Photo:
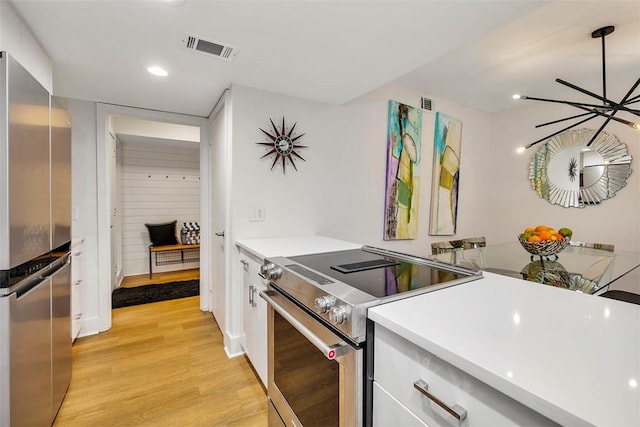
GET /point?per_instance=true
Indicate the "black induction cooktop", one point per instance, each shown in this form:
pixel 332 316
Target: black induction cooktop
pixel 375 274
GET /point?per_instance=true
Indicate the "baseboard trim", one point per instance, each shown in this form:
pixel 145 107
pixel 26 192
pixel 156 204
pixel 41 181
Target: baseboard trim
pixel 234 346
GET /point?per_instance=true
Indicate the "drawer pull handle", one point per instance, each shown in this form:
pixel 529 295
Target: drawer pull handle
pixel 244 262
pixel 456 411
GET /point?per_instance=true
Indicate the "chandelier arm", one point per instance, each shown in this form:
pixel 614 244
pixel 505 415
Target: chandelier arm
pixel 612 104
pixel 604 70
pixel 558 101
pixel 609 116
pixel 633 100
pixel 585 91
pixel 558 132
pixel 562 120
pixel 614 111
pixel 594 108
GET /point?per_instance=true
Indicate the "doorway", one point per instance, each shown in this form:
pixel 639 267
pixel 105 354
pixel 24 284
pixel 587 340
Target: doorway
pixel 110 267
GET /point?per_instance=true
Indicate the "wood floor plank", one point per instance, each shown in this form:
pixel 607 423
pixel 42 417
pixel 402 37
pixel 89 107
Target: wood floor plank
pixel 161 364
pixel 165 277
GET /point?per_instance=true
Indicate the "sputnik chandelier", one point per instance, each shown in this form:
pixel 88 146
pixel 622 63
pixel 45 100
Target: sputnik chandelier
pixel 608 109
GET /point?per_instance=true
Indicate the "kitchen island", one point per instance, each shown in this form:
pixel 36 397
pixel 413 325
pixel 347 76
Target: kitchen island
pixel 572 357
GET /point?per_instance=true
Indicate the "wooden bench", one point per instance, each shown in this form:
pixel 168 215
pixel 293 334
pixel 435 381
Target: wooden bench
pixel 173 254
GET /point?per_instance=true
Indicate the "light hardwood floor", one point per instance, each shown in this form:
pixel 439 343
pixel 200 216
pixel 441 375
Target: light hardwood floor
pixel 170 276
pixel 161 364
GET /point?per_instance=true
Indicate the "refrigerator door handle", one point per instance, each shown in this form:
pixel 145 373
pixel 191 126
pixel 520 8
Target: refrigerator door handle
pixel 57 265
pixel 29 285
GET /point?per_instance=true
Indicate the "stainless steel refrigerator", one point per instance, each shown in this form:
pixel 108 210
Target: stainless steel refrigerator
pixel 35 219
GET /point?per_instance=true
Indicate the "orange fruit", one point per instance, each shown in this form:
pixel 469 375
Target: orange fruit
pixel 529 229
pixel 544 235
pixel 533 239
pixel 559 236
pixel 553 237
pixel 541 228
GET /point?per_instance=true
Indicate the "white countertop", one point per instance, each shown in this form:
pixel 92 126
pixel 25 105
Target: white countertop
pixel 573 357
pixel 294 246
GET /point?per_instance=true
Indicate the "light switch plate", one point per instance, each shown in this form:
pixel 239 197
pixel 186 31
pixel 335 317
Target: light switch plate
pixel 256 214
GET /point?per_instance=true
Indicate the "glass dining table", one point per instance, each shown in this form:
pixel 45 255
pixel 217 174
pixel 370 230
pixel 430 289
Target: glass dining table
pixel 576 268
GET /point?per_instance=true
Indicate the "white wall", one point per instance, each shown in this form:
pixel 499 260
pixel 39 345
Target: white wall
pixel 84 197
pixel 354 190
pixel 160 183
pixel 290 201
pixel 514 204
pixel 17 39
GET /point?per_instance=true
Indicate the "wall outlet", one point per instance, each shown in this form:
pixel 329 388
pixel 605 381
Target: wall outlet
pixel 256 214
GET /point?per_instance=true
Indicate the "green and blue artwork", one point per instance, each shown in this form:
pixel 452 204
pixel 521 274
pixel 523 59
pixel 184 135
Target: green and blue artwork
pixel 402 189
pixel 446 175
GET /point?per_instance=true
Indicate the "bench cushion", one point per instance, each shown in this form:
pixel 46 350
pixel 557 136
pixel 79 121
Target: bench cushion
pixel 163 234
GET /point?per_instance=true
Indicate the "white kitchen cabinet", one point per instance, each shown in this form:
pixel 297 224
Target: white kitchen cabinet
pixel 398 364
pixel 254 314
pixel 388 412
pixel 76 286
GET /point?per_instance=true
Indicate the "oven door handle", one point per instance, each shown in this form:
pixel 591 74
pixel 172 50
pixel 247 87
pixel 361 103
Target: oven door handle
pixel 330 351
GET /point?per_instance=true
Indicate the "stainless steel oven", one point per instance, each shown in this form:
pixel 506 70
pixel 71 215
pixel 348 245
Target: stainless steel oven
pixel 317 328
pixel 315 375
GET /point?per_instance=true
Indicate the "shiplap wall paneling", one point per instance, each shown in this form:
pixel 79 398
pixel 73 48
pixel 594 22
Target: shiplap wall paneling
pixel 160 183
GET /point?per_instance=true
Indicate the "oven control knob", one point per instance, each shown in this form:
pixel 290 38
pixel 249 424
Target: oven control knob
pixel 264 269
pixel 274 273
pixel 338 315
pixel 323 304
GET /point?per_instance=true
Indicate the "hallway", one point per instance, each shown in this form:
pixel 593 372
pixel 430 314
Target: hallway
pixel 161 364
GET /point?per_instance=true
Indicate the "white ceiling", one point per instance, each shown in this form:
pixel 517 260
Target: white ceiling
pixel 475 52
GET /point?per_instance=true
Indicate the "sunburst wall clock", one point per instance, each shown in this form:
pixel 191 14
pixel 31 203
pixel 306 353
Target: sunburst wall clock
pixel 284 145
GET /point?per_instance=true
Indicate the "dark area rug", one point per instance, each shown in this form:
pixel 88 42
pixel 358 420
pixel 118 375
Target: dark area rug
pixel 125 297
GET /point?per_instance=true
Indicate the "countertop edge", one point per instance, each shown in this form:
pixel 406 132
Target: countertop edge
pixel 294 246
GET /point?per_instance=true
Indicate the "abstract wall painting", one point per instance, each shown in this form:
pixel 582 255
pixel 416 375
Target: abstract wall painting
pixel 446 176
pixel 404 150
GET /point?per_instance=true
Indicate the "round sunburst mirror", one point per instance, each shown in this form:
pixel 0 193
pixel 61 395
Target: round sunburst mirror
pixel 567 172
pixel 282 145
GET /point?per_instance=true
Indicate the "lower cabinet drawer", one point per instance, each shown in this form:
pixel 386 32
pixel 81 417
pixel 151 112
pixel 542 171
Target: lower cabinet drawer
pixel 388 412
pixel 399 364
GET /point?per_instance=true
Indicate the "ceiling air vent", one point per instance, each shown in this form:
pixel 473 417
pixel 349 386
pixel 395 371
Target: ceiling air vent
pixel 210 47
pixel 425 103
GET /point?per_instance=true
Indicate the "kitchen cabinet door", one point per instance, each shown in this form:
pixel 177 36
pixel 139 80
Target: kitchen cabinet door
pixel 388 412
pixel 254 315
pixel 399 364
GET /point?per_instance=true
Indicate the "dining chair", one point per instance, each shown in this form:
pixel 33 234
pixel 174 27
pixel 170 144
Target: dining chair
pixel 459 244
pixel 603 246
pixel 625 288
pixel 625 296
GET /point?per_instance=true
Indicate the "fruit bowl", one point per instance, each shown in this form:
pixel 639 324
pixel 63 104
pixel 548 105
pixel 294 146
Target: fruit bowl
pixel 545 247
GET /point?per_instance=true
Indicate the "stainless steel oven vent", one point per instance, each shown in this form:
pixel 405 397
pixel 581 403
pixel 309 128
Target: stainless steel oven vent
pixel 209 47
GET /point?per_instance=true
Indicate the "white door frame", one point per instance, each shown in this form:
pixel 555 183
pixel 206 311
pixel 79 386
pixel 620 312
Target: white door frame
pixel 104 182
pixel 225 319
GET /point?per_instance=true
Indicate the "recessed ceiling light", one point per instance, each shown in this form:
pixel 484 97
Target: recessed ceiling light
pixel 157 71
